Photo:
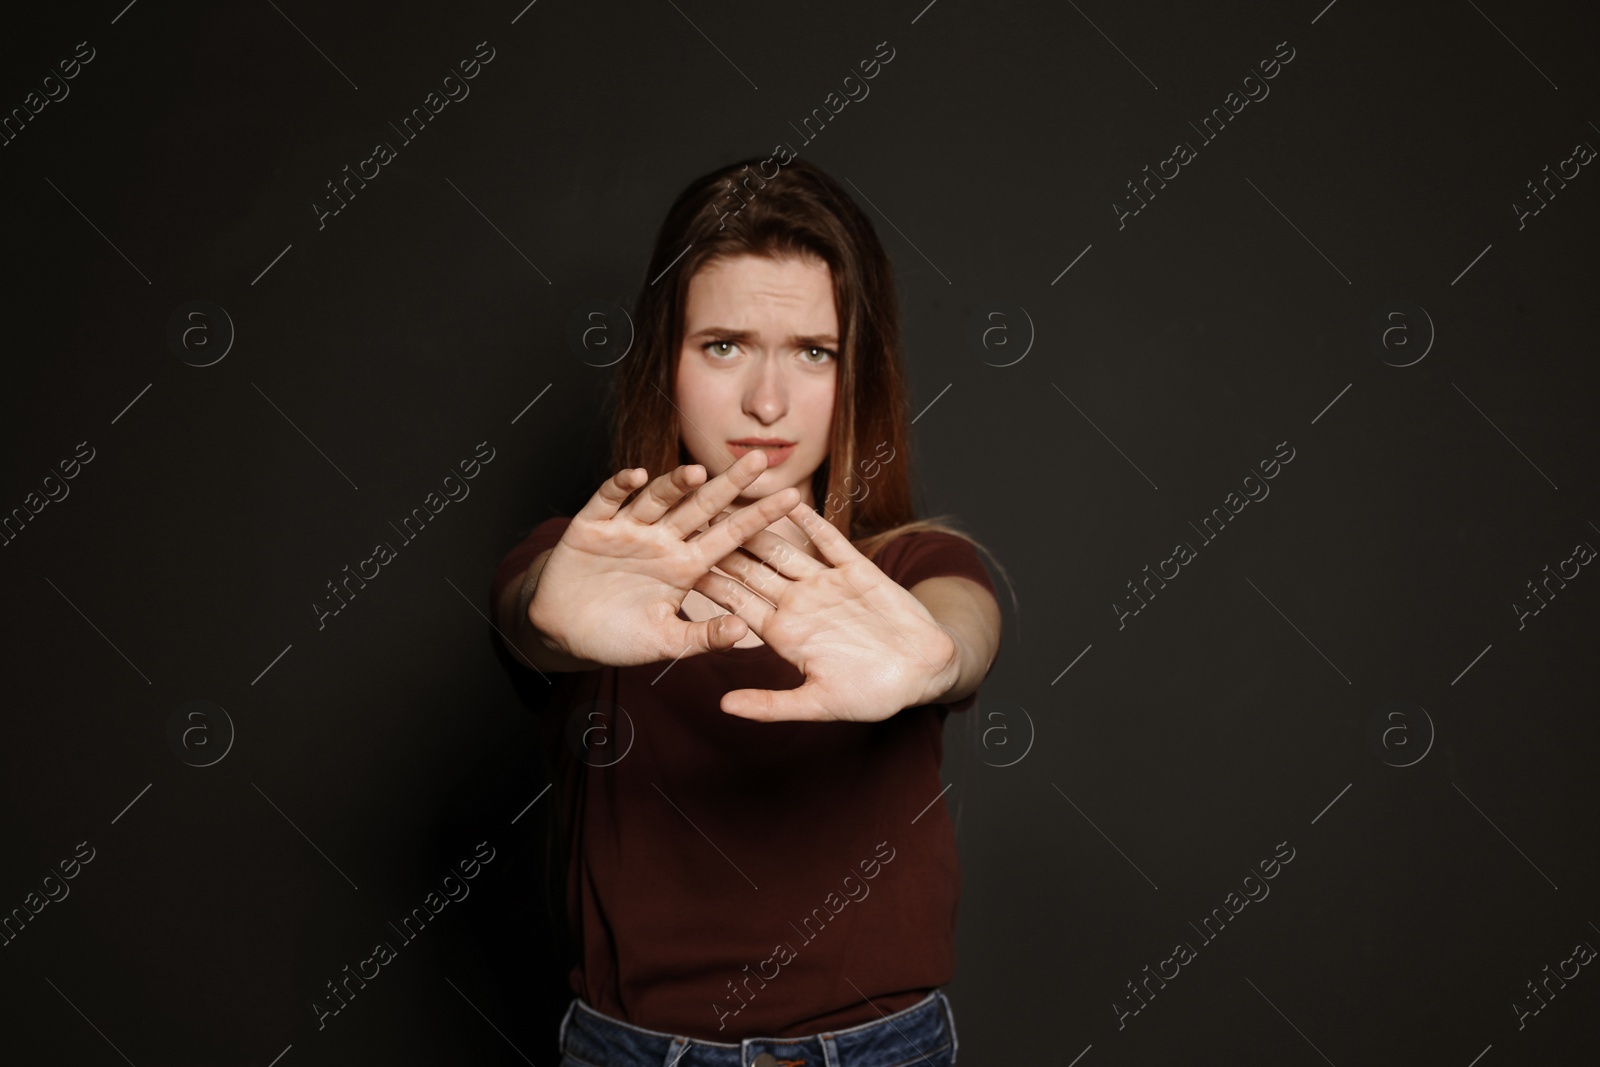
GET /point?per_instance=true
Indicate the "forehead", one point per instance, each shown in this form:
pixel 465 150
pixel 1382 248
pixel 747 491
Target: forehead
pixel 733 285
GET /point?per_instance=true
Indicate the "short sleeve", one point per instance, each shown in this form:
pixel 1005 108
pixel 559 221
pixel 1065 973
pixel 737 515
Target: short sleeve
pixel 545 535
pixel 915 557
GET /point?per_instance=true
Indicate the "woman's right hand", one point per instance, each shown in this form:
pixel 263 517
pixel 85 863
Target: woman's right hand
pixel 612 587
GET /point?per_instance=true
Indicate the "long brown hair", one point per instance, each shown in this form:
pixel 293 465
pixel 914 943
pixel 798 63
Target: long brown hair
pixel 864 485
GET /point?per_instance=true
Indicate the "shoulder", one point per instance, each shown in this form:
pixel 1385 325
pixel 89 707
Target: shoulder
pixel 550 529
pixel 524 552
pixel 922 554
pixel 543 536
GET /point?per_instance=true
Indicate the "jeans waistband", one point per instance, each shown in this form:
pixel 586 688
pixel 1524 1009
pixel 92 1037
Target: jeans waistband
pixel 919 1034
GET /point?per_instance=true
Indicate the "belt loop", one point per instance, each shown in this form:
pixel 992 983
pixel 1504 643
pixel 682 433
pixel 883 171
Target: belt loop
pixel 674 1053
pixel 830 1050
pixel 950 1015
pixel 561 1039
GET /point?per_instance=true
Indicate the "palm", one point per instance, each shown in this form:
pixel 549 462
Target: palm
pixel 612 586
pixel 866 646
pixel 619 595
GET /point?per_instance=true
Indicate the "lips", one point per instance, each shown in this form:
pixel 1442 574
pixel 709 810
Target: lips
pixel 777 450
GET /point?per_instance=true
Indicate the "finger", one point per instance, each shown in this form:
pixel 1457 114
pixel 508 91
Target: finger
pixel 780 554
pixel 664 492
pixel 728 534
pixel 716 494
pixel 777 705
pixel 720 516
pixel 834 546
pixel 737 599
pixel 612 492
pixel 712 521
pixel 762 579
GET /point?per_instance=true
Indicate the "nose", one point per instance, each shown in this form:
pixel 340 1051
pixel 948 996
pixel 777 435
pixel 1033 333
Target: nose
pixel 766 395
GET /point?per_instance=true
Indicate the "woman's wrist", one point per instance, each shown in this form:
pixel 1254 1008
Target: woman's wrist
pixel 539 648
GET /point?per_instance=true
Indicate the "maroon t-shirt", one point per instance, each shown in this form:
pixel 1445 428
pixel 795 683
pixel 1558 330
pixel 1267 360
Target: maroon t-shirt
pixel 730 878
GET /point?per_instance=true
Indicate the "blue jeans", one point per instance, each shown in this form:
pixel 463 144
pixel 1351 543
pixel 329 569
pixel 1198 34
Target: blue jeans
pixel 923 1035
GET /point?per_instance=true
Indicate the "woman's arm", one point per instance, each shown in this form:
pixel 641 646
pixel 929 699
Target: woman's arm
pixel 970 614
pixel 519 634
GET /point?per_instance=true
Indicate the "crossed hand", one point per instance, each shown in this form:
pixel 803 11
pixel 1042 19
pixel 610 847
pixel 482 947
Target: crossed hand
pixel 613 585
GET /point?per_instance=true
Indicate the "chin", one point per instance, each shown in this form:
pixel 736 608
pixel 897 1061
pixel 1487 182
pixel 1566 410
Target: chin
pixel 777 487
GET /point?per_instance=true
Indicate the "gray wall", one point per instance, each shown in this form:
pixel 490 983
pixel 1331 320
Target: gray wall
pixel 1343 671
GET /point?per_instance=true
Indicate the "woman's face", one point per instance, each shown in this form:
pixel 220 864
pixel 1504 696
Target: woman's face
pixel 758 364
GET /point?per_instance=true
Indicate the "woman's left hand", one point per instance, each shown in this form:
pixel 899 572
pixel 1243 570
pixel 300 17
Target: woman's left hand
pixel 866 646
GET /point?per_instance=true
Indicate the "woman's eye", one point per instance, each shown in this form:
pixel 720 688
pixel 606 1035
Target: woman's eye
pixel 813 355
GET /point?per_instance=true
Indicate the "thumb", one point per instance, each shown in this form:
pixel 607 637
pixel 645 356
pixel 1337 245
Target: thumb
pixel 714 634
pixel 728 628
pixel 777 705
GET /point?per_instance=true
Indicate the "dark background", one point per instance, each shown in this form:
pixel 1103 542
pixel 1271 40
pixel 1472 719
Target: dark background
pixel 1100 810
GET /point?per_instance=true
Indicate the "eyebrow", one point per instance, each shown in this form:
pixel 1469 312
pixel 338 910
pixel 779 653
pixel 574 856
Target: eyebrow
pixel 723 333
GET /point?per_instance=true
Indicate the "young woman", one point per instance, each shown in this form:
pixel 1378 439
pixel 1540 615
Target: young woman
pixel 761 865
